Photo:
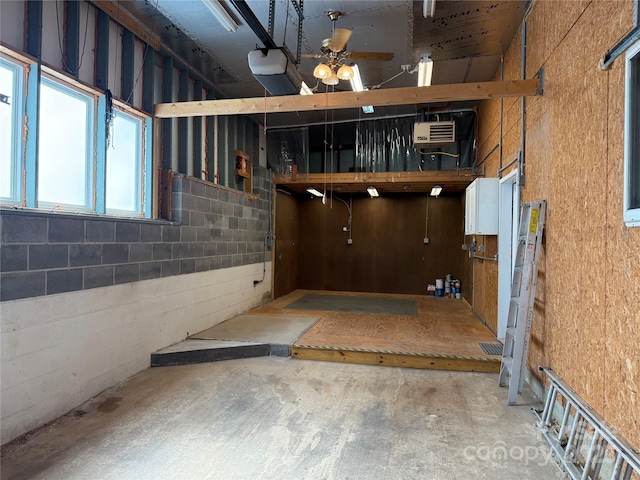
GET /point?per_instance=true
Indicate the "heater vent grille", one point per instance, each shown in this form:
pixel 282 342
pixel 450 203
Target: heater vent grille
pixel 433 133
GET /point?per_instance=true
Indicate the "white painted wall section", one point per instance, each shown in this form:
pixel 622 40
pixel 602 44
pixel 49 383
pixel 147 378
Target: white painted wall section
pixel 60 350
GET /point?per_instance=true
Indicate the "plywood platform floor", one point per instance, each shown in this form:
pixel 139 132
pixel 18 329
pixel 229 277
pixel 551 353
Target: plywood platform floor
pixel 443 335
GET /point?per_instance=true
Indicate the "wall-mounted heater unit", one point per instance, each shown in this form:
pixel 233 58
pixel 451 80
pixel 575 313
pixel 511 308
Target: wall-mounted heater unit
pixel 431 134
pixel 275 70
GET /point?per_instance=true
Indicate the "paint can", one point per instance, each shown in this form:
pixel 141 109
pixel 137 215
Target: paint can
pixel 456 287
pixel 447 287
pixel 439 287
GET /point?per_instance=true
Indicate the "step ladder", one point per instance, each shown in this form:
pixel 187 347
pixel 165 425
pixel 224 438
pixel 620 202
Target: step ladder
pixel 523 291
pixel 586 445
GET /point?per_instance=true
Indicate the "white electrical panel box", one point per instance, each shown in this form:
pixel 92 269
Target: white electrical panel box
pixel 481 207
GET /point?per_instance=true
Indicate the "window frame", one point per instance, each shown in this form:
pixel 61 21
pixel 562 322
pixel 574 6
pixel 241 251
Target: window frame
pixel 631 214
pixel 16 168
pixel 140 164
pixel 90 147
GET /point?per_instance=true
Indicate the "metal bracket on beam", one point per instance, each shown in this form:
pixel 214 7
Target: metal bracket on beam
pixel 540 76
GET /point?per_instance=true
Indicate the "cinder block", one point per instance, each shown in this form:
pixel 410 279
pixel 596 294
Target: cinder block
pixel 232 248
pixel 59 281
pixel 187 266
pixel 13 258
pixel 14 286
pixel 233 223
pixel 222 248
pixel 98 277
pixel 161 251
pixel 48 256
pixel 85 254
pixel 150 270
pixel 202 264
pixel 196 250
pixel 127 273
pixel 20 228
pixel 140 252
pixel 150 233
pixel 115 253
pixel 171 233
pixel 188 234
pixel 100 230
pixel 66 230
pixel 127 232
pixel 170 267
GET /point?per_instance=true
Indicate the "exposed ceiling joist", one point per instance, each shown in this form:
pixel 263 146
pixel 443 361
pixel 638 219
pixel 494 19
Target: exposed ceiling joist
pixel 341 100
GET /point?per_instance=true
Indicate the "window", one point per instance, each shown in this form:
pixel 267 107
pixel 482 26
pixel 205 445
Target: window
pixel 65 150
pixel 124 165
pixel 632 138
pixel 74 168
pixel 11 93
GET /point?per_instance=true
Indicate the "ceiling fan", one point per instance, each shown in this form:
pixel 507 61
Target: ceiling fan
pixel 335 55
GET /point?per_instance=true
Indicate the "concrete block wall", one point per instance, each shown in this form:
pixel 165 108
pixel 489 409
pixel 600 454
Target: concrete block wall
pixel 47 253
pixel 86 300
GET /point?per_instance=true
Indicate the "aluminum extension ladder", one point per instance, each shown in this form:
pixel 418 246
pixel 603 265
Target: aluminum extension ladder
pixel 588 447
pixel 523 290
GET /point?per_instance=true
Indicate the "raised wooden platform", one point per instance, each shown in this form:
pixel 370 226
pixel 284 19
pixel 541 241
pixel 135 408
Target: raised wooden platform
pixel 444 334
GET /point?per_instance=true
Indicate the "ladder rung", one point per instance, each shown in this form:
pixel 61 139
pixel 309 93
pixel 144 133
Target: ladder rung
pixel 519 268
pixel 511 331
pixel 507 362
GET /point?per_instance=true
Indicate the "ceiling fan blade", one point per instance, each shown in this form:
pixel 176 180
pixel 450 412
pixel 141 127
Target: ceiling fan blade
pixel 339 39
pixel 312 55
pixel 375 56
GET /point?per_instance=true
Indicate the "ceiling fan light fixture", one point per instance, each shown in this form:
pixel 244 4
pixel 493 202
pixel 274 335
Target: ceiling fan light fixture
pixel 345 72
pixel 322 71
pixel 331 80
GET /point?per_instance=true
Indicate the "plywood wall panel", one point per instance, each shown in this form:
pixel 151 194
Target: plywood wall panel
pixel 586 314
pixel 622 325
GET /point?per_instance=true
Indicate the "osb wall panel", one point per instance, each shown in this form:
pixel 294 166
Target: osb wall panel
pixel 388 253
pixel 485 282
pixel 587 320
pixel 622 289
pixel 286 245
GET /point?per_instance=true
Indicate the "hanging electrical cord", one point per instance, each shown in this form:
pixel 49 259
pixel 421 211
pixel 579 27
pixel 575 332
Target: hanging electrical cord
pixel 84 42
pixel 268 235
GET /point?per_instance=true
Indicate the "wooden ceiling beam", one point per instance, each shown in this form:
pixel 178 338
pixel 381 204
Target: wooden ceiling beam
pixel 450 180
pixel 338 100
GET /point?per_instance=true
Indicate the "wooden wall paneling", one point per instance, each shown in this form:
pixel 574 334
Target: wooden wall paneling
pixel 286 245
pixel 622 322
pixel 536 33
pixel 466 276
pixel 388 253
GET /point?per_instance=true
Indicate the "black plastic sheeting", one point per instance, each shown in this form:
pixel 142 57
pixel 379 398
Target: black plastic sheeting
pixel 382 145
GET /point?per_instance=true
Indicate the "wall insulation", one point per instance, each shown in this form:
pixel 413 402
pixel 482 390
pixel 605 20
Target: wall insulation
pixel 586 322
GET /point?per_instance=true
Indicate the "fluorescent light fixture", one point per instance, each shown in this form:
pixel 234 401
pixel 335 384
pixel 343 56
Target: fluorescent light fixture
pixel 428 8
pixel 314 192
pixel 358 86
pixel 373 192
pixel 436 190
pixel 218 11
pixel 425 71
pixel 305 90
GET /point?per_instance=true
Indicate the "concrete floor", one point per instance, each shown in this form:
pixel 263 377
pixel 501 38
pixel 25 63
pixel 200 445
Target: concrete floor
pixel 279 418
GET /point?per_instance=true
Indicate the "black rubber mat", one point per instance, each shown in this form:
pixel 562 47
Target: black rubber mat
pixel 491 348
pixel 342 303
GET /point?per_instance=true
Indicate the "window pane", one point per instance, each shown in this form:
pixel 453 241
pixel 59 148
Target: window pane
pixel 124 164
pixel 10 76
pixel 65 146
